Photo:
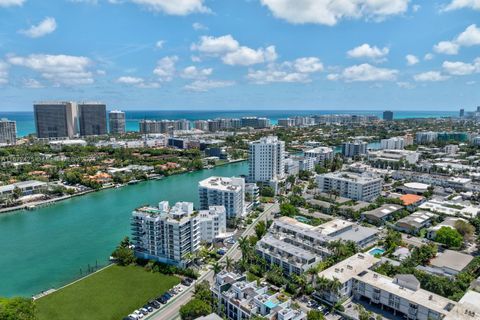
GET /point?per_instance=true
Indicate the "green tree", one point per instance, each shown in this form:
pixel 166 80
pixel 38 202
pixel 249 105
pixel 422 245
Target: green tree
pixel 260 229
pixel 315 315
pixel 267 191
pixel 465 229
pixel 287 209
pixel 17 309
pixel 449 237
pixel 195 308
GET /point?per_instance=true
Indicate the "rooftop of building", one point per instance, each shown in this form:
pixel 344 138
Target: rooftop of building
pixel 384 210
pixel 222 183
pixel 270 240
pixel 453 260
pixel 417 218
pixel 352 176
pixel 22 185
pixel 409 199
pixel 350 267
pixel 419 296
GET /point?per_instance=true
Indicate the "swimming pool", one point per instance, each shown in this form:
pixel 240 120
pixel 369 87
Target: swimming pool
pixel 270 304
pixel 302 219
pixel 376 251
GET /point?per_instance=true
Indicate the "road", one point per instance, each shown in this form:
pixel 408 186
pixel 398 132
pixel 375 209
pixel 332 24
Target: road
pixel 171 310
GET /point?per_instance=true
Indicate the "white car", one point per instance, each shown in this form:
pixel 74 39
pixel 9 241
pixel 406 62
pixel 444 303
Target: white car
pixel 138 314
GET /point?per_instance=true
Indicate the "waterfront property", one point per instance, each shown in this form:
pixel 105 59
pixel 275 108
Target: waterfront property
pixel 266 160
pixel 166 234
pixel 227 192
pixel 109 294
pixel 24 187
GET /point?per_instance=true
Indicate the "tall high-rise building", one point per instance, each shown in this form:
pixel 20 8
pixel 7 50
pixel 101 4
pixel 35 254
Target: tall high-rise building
pixel 387 115
pixel 8 132
pixel 355 148
pixel 117 122
pixel 462 113
pixel 93 119
pixel 55 120
pixel 220 191
pixel 166 234
pixel 266 160
pixel 395 143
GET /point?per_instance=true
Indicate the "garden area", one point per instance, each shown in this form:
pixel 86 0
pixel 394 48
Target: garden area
pixel 111 293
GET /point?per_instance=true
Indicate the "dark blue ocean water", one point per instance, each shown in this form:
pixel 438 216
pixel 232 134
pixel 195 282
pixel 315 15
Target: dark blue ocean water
pixel 25 123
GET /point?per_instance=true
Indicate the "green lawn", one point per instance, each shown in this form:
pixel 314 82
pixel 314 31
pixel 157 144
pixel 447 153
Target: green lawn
pixel 112 294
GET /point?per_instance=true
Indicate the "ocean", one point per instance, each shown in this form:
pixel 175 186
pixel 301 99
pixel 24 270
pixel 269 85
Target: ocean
pixel 26 125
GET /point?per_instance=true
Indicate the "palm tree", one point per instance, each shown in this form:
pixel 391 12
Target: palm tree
pixel 228 263
pixel 244 247
pixel 217 267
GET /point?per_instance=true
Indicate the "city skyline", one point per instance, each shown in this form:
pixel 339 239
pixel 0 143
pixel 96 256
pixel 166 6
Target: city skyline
pixel 209 55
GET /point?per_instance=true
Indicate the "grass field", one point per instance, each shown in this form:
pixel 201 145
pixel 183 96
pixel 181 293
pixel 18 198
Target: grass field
pixel 110 294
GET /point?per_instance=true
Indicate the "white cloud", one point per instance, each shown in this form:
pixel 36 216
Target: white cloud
pixel 213 45
pixel 369 52
pixel 193 72
pixel 177 7
pixel 430 76
pixel 458 68
pixel 446 47
pixel 428 56
pixel 205 85
pixel 469 37
pixel 364 72
pixel 101 72
pixel 298 70
pixel 411 59
pixel 137 82
pixel 58 69
pixel 159 44
pixel 165 68
pixel 231 52
pixel 198 26
pixel 416 7
pixel 46 26
pixel 32 83
pixel 405 85
pixel 461 4
pixel 3 73
pixel 330 12
pixel 245 56
pixel 308 65
pixel 11 3
pixel 275 75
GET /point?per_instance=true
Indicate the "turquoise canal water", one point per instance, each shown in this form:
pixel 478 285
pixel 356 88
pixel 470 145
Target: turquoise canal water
pixel 46 248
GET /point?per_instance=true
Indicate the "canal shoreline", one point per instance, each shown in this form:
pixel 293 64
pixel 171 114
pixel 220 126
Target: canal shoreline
pixel 42 203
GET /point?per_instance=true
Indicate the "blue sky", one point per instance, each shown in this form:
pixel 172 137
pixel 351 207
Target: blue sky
pixel 242 54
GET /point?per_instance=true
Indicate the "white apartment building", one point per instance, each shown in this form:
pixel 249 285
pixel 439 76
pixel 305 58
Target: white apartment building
pixel 8 132
pixel 320 154
pixel 394 155
pixel 355 148
pixel 426 137
pixel 266 160
pixel 295 247
pixel 363 187
pixel 166 234
pixel 396 143
pixel 212 223
pixel 400 295
pixel 221 191
pixel 238 299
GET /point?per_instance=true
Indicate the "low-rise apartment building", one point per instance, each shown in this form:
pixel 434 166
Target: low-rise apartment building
pixel 295 247
pixel 238 299
pixel 416 221
pixel 400 295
